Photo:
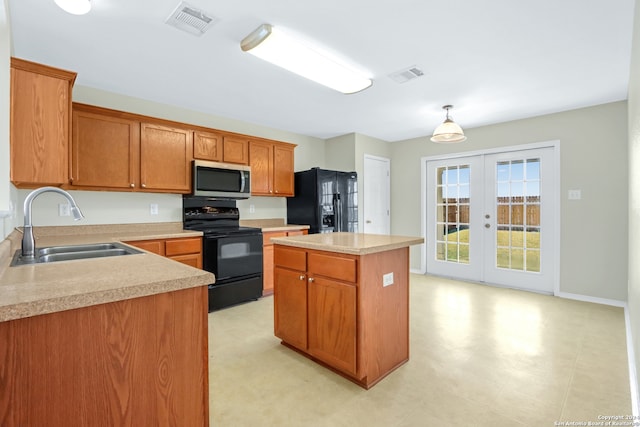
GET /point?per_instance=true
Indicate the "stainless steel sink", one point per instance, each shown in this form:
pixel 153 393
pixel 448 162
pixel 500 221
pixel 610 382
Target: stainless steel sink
pixel 74 252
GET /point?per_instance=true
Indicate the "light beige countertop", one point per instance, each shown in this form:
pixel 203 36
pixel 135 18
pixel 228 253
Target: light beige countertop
pixel 272 224
pixel 30 290
pixel 349 243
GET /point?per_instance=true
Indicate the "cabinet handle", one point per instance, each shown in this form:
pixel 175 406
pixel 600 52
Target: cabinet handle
pixel 302 277
pixel 311 279
pixel 132 185
pixel 144 186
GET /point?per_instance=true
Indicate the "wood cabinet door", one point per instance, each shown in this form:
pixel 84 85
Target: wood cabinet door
pixel 104 151
pixel 207 146
pixel 332 323
pixel 260 154
pixel 40 118
pixel 235 150
pixel 290 307
pixel 283 170
pixel 165 158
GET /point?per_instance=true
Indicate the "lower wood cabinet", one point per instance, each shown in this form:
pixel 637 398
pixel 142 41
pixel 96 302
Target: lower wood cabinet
pixel 185 250
pixel 267 256
pixel 137 362
pixel 336 309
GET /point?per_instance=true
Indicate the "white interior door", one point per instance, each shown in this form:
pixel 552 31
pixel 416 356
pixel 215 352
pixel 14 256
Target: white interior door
pixel 490 218
pixel 377 195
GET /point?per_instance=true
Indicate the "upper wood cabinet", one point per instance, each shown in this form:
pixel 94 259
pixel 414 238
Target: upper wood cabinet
pixel 105 151
pixel 114 151
pixel 165 158
pixel 40 120
pixel 271 168
pixel 236 150
pixel 207 146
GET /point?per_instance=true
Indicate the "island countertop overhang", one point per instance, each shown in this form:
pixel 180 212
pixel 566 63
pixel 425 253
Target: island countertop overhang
pixel 349 243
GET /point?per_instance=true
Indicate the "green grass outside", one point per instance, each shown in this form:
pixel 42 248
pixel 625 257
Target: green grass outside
pixel 513 257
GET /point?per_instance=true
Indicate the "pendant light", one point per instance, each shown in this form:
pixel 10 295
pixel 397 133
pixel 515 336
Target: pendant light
pixel 449 131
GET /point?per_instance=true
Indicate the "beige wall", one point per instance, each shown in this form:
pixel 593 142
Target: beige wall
pixel 634 190
pixel 593 147
pixel 341 153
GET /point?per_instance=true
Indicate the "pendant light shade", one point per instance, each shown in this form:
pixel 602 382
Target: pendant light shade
pixel 75 7
pixel 449 131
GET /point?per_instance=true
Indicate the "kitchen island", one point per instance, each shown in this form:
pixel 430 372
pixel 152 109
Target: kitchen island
pixel 342 299
pixel 105 341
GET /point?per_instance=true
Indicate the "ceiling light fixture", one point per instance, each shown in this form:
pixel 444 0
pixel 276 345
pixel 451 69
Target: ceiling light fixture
pixel 279 48
pixel 75 7
pixel 449 131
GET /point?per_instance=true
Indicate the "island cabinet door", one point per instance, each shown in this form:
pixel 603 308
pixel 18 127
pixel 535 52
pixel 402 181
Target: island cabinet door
pixel 332 323
pixel 290 307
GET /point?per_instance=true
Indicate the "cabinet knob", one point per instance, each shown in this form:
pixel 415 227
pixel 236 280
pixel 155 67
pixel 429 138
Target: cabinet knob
pixel 302 277
pixel 144 186
pixel 132 185
pixel 311 279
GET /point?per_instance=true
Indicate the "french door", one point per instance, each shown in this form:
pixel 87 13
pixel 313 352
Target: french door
pixel 490 218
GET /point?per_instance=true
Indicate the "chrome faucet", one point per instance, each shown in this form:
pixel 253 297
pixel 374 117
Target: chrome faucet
pixel 28 242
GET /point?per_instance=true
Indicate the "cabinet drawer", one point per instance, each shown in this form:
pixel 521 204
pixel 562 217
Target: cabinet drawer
pixel 295 259
pixel 155 246
pixel 266 237
pixel 333 266
pixel 183 246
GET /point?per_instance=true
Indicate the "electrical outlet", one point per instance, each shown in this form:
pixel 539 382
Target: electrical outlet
pixel 252 208
pixel 153 209
pixel 387 279
pixel 64 209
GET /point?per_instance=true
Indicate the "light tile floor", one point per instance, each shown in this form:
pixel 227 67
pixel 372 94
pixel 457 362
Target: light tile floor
pixel 480 356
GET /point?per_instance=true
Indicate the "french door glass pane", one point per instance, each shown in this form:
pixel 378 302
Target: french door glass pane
pixel 452 213
pixel 518 215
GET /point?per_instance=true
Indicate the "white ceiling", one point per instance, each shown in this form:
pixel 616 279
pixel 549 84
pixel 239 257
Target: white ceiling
pixel 494 60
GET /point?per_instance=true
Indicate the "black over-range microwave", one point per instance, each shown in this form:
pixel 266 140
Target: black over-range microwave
pixel 222 180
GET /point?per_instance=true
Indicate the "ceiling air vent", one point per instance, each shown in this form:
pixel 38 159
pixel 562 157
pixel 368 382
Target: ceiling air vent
pixel 190 19
pixel 407 74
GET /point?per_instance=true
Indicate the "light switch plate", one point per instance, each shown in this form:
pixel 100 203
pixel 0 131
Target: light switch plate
pixel 575 194
pixel 153 209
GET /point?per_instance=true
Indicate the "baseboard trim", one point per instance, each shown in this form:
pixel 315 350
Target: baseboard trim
pixel 633 373
pixel 596 300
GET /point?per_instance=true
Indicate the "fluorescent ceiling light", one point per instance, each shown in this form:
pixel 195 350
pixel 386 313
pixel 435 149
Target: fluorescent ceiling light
pixel 75 7
pixel 272 45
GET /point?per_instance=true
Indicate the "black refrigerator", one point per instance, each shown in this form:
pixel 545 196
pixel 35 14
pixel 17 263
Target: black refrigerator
pixel 326 200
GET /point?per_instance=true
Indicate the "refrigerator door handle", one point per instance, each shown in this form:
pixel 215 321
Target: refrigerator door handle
pixel 338 212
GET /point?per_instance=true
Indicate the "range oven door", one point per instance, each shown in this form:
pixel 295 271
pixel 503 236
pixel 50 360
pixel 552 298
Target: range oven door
pixel 233 256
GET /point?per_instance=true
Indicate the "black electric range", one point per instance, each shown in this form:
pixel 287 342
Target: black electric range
pixel 231 252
